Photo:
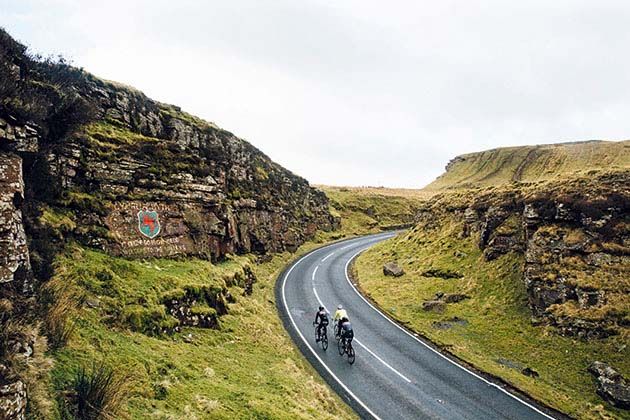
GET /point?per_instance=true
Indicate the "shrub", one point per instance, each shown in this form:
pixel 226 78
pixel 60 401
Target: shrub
pixel 98 392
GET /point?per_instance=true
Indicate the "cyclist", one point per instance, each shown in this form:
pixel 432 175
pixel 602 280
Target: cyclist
pixel 347 333
pixel 339 315
pixel 321 320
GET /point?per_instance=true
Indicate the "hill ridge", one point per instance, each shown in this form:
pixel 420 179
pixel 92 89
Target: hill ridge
pixel 531 163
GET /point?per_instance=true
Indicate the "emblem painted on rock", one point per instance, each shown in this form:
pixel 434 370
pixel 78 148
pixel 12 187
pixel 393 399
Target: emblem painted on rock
pixel 148 223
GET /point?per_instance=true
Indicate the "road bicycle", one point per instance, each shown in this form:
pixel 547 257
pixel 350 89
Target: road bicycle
pixel 345 347
pixel 323 339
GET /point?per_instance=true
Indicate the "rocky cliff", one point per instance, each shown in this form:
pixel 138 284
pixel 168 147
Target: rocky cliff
pixel 94 162
pixel 575 237
pixel 82 157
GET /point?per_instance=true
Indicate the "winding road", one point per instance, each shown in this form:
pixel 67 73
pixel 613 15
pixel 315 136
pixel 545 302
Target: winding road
pixel 396 375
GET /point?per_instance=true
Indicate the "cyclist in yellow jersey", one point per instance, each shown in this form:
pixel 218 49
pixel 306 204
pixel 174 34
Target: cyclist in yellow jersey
pixel 339 315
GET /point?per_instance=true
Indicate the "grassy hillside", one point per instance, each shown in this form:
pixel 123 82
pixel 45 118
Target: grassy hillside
pixel 372 209
pixel 446 254
pixel 111 312
pixel 532 163
pixel 246 368
pixel 491 330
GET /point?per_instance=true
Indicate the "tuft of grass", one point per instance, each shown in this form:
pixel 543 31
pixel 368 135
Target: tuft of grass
pixel 61 303
pixel 98 392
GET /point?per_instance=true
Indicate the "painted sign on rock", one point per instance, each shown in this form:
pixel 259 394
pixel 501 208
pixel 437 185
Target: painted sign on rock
pixel 148 223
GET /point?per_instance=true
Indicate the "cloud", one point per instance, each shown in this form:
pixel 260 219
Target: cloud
pixel 359 92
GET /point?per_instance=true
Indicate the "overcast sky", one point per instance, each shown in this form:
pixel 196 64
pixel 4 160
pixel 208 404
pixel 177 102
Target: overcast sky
pixel 357 92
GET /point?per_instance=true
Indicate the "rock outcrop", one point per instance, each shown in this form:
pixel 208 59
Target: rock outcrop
pixel 14 258
pixel 611 386
pixel 100 154
pixel 575 239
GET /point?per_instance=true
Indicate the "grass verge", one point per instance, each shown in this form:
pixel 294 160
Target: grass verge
pixel 491 330
pixel 248 368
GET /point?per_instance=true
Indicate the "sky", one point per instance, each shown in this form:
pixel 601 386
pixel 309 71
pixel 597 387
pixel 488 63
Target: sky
pixel 358 92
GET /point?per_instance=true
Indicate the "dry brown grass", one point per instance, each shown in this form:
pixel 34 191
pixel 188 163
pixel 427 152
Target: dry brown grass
pixel 61 302
pixel 526 164
pixel 383 191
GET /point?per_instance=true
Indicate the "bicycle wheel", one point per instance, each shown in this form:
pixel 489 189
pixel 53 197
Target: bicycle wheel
pixel 350 354
pixel 341 347
pixel 324 341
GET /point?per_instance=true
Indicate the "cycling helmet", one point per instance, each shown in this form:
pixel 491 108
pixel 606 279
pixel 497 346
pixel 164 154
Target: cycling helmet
pixel 321 308
pixel 340 306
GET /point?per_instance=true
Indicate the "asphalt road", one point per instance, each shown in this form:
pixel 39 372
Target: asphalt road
pixel 396 375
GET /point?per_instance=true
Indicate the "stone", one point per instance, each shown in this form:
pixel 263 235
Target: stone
pixel 12 400
pixel 449 323
pixel 530 372
pixel 441 273
pixel 454 297
pixel 611 386
pixel 393 269
pixel 434 306
pixel 501 245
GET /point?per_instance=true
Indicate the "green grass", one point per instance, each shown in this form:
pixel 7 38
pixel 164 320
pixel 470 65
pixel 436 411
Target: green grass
pixel 248 368
pixel 531 164
pixel 498 320
pixel 370 209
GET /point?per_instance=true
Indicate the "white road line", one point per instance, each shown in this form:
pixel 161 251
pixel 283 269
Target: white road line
pixel 319 300
pixel 382 361
pixel 328 256
pixel 344 386
pixel 435 351
pixel 363 345
pixel 314 272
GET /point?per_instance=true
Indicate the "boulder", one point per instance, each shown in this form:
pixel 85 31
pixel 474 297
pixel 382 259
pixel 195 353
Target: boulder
pixel 454 297
pixel 611 386
pixel 530 372
pixel 393 269
pixel 434 306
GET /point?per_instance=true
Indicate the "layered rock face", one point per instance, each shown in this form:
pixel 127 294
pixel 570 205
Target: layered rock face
pixel 14 258
pixel 575 238
pixel 213 193
pixel 91 161
pixel 136 177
